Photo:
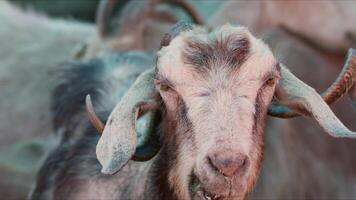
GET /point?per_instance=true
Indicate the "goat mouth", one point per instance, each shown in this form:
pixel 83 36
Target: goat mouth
pixel 197 191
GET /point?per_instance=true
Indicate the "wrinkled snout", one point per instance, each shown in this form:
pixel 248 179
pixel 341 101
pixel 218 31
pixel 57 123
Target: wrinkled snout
pixel 229 164
pixel 224 173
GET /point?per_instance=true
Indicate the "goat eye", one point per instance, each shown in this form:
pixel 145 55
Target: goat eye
pixel 204 94
pixel 164 87
pixel 270 81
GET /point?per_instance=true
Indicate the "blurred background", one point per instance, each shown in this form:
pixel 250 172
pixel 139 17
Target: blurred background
pixel 310 37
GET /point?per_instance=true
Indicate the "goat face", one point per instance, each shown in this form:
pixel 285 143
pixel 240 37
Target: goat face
pixel 216 88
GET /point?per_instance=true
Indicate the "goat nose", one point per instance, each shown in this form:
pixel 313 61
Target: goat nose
pixel 229 165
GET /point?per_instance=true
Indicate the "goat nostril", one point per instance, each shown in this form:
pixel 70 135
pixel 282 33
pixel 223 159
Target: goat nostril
pixel 242 162
pixel 229 166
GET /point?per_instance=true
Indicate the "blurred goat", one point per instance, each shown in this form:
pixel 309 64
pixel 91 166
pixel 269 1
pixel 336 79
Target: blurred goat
pixel 32 46
pixel 327 24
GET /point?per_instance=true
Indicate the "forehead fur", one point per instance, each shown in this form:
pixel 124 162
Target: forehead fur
pixel 228 47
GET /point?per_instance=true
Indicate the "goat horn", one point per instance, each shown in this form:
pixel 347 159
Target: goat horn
pixel 94 119
pixel 118 142
pixel 103 15
pixel 106 8
pixel 197 19
pixel 343 84
pixel 299 96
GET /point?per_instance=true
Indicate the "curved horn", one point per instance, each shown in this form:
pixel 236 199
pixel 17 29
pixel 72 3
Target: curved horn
pixel 103 15
pixel 297 95
pixel 119 139
pixel 343 84
pixel 94 119
pixel 189 9
pixel 106 8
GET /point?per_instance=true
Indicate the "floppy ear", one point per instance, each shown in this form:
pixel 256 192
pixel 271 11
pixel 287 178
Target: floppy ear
pixel 344 83
pixel 295 97
pixel 118 142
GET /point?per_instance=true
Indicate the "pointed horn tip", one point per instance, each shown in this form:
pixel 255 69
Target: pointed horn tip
pixel 94 119
pixel 111 165
pixel 108 171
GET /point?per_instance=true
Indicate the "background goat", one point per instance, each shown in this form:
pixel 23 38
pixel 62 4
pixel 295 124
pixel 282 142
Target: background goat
pixel 32 46
pixel 120 68
pixel 42 43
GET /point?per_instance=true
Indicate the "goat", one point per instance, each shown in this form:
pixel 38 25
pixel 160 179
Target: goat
pixel 200 77
pixel 196 159
pixel 34 67
pixel 32 45
pixel 335 32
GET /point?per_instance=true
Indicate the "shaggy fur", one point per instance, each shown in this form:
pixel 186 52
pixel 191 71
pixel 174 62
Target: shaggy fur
pixel 106 79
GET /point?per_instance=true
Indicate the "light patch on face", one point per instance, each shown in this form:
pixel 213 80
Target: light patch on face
pixel 170 63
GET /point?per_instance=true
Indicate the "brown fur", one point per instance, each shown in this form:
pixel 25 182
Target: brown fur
pixel 229 51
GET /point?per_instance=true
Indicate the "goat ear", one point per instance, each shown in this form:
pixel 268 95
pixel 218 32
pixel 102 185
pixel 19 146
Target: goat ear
pixel 175 31
pixel 301 98
pixel 149 140
pixel 118 142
